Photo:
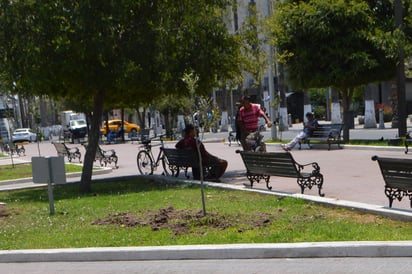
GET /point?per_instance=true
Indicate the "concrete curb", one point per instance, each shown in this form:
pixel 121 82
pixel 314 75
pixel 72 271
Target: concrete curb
pixel 213 252
pixel 101 170
pixel 231 251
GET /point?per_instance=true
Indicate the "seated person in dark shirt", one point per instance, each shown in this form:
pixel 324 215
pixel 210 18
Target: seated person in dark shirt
pixel 217 166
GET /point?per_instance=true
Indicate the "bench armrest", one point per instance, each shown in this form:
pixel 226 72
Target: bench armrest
pixel 110 152
pixel 334 133
pixel 315 167
pixel 73 149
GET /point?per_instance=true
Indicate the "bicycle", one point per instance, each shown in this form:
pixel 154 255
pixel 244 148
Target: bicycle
pixel 145 159
pixel 255 141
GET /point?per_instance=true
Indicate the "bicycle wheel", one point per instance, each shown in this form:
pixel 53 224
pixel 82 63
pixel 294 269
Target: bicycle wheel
pixel 168 170
pixel 144 163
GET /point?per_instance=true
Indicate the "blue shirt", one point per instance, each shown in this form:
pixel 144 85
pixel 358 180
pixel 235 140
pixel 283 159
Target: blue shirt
pixel 309 131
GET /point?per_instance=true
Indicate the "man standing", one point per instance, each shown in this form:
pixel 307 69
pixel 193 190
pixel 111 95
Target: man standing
pixel 248 122
pixel 307 131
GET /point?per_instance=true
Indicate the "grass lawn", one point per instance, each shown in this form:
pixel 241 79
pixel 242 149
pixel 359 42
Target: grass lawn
pixel 8 172
pixel 143 212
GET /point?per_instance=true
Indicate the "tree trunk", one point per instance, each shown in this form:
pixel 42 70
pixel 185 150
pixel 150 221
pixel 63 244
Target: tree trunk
pixel 94 133
pixel 307 107
pixel 346 95
pixel 336 116
pixel 400 73
pixel 370 116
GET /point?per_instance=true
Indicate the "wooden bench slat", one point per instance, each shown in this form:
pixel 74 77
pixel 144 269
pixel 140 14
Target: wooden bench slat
pixel 263 165
pixel 328 133
pixel 70 153
pixel 183 159
pixel 397 174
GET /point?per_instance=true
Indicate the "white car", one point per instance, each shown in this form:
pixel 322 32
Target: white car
pixel 24 135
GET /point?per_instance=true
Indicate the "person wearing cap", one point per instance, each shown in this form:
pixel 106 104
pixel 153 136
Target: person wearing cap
pixel 217 166
pixel 248 121
pixel 307 131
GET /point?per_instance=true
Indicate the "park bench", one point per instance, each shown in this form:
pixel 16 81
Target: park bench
pixel 183 159
pixel 326 133
pixel 263 165
pixel 71 153
pixel 15 148
pixel 397 174
pixel 105 157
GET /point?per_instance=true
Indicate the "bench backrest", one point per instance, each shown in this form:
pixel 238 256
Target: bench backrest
pixel 270 163
pixel 60 148
pixel 99 153
pixel 397 173
pixel 327 130
pixel 181 157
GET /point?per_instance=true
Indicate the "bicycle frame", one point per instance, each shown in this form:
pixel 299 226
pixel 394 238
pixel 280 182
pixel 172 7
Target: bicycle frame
pixel 152 162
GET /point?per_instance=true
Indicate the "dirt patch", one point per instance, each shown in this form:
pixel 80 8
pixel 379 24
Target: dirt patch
pixel 6 212
pixel 186 221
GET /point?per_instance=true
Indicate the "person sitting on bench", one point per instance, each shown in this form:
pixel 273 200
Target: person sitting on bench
pixel 217 166
pixel 307 131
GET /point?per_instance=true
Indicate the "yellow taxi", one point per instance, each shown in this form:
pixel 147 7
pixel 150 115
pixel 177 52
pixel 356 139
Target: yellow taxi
pixel 115 125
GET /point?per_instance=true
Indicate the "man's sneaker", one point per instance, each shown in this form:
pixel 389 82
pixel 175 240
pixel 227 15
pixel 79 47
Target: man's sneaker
pixel 284 147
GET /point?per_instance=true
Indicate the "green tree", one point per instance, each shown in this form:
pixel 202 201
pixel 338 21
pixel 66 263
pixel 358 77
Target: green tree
pixel 253 45
pixel 337 43
pixel 100 52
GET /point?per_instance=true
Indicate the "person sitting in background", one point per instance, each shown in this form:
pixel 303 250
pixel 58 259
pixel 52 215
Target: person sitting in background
pixel 111 136
pixel 307 131
pixel 217 166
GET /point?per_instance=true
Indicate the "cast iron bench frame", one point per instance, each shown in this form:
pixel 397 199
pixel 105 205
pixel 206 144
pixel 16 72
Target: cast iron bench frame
pixel 397 174
pixel 328 133
pixel 106 157
pixel 182 159
pixel 70 152
pixel 16 148
pixel 263 165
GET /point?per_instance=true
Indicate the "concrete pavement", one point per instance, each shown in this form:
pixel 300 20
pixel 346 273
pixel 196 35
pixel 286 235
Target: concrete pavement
pixel 352 180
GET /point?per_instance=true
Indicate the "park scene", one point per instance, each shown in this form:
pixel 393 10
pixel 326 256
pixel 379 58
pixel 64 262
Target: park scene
pixel 205 124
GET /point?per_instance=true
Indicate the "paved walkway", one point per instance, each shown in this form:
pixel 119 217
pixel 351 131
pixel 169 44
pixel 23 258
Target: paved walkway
pixel 351 179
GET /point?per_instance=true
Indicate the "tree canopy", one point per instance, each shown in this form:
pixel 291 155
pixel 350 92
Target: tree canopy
pixel 337 43
pixel 113 52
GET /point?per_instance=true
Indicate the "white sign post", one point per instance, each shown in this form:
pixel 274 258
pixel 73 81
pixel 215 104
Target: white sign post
pixel 49 170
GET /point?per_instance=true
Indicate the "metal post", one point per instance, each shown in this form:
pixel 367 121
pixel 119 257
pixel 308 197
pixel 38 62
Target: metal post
pixel 50 187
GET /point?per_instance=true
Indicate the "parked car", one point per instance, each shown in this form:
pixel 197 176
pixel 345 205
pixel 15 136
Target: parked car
pixel 115 125
pixel 24 135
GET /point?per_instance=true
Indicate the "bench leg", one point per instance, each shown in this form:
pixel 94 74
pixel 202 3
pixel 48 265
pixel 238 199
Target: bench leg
pixel 309 182
pixel 256 178
pixel 394 193
pixel 114 159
